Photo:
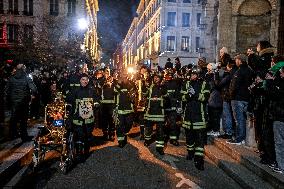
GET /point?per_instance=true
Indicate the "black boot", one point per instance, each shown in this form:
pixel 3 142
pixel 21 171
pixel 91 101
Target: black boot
pixel 146 143
pixel 122 143
pixel 174 142
pixel 190 155
pixel 199 163
pixel 160 150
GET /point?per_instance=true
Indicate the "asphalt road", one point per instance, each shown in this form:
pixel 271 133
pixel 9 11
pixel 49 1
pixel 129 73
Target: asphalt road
pixel 133 166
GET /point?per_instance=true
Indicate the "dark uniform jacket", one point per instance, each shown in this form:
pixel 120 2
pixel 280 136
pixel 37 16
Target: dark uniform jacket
pixel 83 100
pixel 107 93
pixel 124 99
pixel 172 96
pixel 195 111
pixel 155 105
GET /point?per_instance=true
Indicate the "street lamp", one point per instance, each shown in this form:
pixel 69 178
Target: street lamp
pixel 82 23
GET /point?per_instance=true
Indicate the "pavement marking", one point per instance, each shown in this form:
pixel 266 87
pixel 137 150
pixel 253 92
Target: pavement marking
pixel 186 181
pixel 171 160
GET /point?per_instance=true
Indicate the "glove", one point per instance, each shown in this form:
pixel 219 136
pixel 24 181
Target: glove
pixel 191 91
pixel 96 105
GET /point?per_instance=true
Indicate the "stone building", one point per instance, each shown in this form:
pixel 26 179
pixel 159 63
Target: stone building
pixel 244 22
pixel 50 24
pixel 169 29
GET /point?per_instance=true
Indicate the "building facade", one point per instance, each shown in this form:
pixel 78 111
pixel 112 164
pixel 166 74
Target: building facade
pixel 169 29
pixel 242 23
pixel 50 24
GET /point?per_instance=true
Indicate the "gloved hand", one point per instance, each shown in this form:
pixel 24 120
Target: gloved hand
pixel 191 91
pixel 96 105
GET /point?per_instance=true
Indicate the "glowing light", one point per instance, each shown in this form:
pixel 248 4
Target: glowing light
pixel 131 70
pixel 82 24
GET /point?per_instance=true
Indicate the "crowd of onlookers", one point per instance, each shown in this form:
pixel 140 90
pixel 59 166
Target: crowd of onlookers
pixel 250 87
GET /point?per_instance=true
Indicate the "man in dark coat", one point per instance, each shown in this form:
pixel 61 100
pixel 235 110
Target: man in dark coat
pixel 169 64
pixel 240 95
pixel 19 90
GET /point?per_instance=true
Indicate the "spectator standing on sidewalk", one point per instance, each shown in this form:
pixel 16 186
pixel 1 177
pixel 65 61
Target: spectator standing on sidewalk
pixel 240 95
pixel 19 90
pixel 227 116
pixel 276 89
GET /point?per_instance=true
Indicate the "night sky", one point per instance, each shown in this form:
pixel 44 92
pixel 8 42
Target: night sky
pixel 114 19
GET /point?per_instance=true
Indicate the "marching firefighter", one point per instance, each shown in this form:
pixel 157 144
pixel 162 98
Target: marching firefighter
pixel 74 82
pixel 195 93
pixel 123 114
pixel 107 106
pixel 155 114
pixel 142 83
pixel 172 88
pixel 84 100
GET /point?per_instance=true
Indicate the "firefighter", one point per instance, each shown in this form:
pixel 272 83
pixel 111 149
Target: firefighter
pixel 195 93
pixel 84 100
pixel 98 82
pixel 172 88
pixel 74 82
pixel 124 108
pixel 142 83
pixel 155 114
pixel 107 106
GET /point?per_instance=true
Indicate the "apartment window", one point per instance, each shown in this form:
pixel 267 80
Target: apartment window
pixel 172 1
pixel 53 5
pixel 199 1
pixel 28 7
pixel 13 33
pixel 171 41
pixel 185 43
pixel 186 1
pixel 1 7
pixel 185 19
pixel 171 19
pixel 13 7
pixel 197 44
pixel 198 19
pixel 28 33
pixel 71 8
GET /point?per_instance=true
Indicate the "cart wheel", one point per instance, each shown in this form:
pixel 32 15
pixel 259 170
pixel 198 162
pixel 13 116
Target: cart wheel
pixel 70 147
pixel 63 167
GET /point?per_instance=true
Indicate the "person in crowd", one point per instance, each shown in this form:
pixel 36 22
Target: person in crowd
pixel 202 67
pixel 227 116
pixel 239 94
pixel 215 103
pixel 260 62
pixel 155 114
pixel 195 92
pixel 169 64
pixel 107 106
pixel 225 57
pixel 19 90
pixel 177 64
pixel 124 108
pixel 276 88
pixel 84 100
pixel 172 97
